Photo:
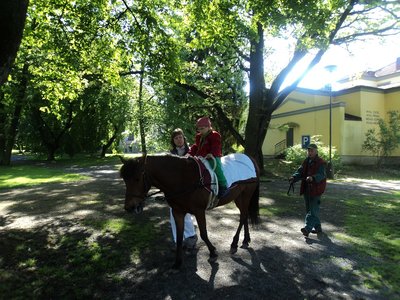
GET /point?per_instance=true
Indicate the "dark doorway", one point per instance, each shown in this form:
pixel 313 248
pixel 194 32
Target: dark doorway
pixel 289 137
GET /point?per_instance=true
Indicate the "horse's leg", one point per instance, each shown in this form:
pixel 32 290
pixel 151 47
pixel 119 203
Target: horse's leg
pixel 234 244
pixel 246 203
pixel 246 240
pixel 201 223
pixel 243 221
pixel 179 222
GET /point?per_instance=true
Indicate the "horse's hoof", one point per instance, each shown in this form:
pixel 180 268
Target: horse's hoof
pixel 176 266
pixel 174 270
pixel 245 246
pixel 233 250
pixel 213 259
pixel 170 272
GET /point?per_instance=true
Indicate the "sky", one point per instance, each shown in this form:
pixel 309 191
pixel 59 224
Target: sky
pixel 370 55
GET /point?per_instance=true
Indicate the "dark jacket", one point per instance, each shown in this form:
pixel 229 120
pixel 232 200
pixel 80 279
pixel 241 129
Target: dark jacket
pixel 315 168
pixel 175 151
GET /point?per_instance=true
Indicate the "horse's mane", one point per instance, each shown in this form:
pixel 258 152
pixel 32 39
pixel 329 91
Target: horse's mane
pixel 128 167
pixel 131 164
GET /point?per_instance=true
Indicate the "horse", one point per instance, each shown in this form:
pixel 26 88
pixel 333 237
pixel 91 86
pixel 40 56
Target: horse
pixel 182 184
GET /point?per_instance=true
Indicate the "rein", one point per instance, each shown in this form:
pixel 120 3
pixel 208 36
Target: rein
pixel 184 192
pixel 147 184
pixel 291 187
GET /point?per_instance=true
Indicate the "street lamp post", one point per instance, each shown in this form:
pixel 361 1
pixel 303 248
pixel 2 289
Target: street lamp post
pixel 330 171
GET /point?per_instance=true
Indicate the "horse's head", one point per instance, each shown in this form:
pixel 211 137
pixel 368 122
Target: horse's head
pixel 133 173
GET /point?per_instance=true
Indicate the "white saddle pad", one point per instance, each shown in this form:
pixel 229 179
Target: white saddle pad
pixel 236 167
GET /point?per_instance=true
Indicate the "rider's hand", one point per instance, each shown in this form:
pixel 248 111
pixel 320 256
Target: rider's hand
pixel 209 155
pixel 309 179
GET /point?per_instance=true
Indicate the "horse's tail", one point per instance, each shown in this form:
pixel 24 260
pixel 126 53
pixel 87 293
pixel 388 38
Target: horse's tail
pixel 254 215
pixel 254 207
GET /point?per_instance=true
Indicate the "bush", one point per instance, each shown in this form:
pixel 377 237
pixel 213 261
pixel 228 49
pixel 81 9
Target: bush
pixel 384 142
pixel 296 155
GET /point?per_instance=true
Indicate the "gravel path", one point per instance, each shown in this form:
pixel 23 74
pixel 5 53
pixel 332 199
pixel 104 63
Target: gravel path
pixel 280 264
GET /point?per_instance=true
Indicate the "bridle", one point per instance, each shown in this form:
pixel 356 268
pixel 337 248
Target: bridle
pixel 146 184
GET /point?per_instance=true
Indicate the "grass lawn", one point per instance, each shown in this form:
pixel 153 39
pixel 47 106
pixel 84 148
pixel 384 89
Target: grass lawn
pixel 23 174
pixel 372 228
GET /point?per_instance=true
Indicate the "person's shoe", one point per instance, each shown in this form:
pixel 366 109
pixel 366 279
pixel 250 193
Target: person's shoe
pixel 223 191
pixel 304 231
pixel 316 231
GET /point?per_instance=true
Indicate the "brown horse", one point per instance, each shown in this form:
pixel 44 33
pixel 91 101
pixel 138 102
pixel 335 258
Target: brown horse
pixel 179 179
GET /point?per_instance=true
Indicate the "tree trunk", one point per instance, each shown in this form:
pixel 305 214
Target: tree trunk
pixel 51 152
pixel 254 133
pixel 52 140
pixel 105 147
pixel 19 106
pixel 141 112
pixel 12 22
pixel 3 117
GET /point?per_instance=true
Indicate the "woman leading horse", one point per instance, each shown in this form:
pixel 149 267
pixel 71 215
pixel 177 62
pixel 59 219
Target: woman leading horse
pixel 182 184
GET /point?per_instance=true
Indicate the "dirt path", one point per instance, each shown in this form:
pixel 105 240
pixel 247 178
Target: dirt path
pixel 281 263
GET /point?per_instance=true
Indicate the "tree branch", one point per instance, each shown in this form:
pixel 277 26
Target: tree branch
pixel 193 89
pixel 133 15
pixel 218 108
pixel 281 96
pixel 130 73
pixel 228 123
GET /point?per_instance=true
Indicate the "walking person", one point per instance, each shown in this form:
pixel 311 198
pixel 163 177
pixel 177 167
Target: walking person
pixel 179 146
pixel 312 174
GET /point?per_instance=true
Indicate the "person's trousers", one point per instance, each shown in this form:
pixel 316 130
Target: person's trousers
pixel 312 212
pixel 189 229
pixel 220 174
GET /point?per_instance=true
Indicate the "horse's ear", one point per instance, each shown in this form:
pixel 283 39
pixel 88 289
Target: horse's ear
pixel 123 160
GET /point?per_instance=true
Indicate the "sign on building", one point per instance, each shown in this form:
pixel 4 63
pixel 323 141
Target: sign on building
pixel 305 141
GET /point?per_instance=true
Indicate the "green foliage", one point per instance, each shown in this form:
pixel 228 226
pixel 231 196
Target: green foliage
pixel 296 154
pixel 73 99
pixel 387 139
pixel 195 60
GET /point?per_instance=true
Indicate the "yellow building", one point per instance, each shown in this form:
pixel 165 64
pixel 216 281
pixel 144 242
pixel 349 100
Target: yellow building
pixel 355 109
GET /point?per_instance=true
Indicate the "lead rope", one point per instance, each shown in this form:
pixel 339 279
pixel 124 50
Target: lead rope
pixel 291 187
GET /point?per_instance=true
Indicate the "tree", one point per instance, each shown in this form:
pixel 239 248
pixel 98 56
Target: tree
pixel 196 56
pixel 187 76
pixel 248 27
pixel 12 21
pixel 67 46
pixel 384 142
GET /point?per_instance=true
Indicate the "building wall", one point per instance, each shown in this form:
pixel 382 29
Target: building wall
pixel 307 112
pixel 307 115
pixel 352 138
pixel 392 99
